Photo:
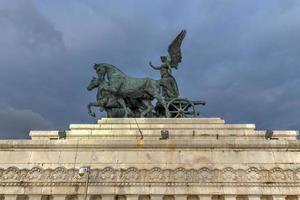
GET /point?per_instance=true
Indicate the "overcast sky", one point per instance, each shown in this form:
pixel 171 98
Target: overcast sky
pixel 241 56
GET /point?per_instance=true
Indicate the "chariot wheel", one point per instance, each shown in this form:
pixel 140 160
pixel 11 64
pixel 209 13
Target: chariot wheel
pixel 181 108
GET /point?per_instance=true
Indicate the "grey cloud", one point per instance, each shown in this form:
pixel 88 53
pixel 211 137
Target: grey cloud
pixel 26 33
pixel 239 56
pixel 16 123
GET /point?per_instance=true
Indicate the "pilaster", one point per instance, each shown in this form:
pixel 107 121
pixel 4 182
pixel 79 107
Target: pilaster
pixel 205 197
pixel 10 197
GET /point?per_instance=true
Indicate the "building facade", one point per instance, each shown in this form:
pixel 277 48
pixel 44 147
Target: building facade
pixel 152 159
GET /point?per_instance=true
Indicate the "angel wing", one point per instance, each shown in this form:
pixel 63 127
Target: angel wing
pixel 174 49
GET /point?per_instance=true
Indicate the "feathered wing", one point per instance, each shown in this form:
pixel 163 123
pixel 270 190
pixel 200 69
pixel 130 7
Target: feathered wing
pixel 174 49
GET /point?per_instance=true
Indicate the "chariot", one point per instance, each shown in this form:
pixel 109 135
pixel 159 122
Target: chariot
pixel 179 108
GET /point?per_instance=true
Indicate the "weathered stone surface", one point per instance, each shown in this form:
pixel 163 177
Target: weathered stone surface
pixel 202 157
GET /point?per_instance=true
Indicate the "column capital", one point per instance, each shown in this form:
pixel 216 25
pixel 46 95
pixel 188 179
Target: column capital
pixel 180 197
pixel 254 197
pixel 205 197
pixel 10 197
pixel 230 197
pixel 35 197
pixel 279 197
pixel 59 197
pixel 107 196
pixel 81 196
pixel 156 196
pixel 132 196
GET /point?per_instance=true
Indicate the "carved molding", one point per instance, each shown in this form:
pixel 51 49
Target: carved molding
pixel 133 176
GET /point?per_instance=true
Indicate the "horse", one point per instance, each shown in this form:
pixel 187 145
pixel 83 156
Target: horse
pixel 130 87
pixel 105 100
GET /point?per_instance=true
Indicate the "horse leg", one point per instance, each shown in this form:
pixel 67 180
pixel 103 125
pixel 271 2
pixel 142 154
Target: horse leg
pixel 126 109
pixel 163 102
pixel 90 105
pixel 109 112
pixel 148 105
pixel 154 90
pixel 93 104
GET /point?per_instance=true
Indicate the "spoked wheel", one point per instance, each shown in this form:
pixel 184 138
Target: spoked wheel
pixel 181 108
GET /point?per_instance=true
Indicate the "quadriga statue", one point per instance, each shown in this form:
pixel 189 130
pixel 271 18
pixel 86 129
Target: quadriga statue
pixel 124 96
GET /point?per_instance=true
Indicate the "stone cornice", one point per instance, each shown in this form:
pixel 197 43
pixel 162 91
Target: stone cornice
pixel 136 143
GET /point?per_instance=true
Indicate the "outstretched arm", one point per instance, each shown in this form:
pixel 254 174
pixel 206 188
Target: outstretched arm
pixel 154 67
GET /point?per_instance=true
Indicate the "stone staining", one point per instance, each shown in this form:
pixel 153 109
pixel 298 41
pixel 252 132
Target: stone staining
pixel 203 159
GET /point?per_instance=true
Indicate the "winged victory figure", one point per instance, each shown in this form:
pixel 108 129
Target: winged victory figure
pixel 168 82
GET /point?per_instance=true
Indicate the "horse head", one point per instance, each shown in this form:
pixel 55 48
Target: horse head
pixel 94 83
pixel 109 70
pixel 100 70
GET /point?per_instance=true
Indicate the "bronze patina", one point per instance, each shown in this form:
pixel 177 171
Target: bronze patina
pixel 124 96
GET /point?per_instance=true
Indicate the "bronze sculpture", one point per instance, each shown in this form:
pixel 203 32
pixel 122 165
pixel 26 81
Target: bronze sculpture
pixel 168 82
pixel 124 96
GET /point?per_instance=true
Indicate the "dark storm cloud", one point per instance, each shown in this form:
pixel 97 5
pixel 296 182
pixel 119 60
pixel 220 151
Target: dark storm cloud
pixel 26 33
pixel 246 61
pixel 240 56
pixel 27 41
pixel 17 123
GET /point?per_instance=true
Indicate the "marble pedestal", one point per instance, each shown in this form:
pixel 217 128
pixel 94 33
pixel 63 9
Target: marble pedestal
pixel 203 158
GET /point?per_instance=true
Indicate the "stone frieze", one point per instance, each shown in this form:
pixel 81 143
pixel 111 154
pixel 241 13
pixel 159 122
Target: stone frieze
pixel 134 176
